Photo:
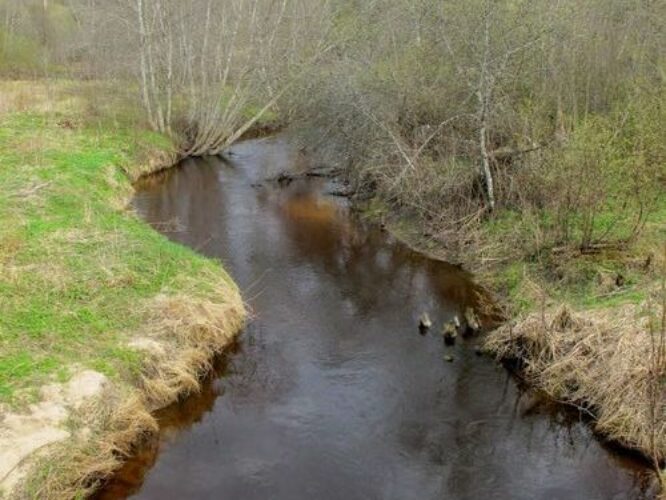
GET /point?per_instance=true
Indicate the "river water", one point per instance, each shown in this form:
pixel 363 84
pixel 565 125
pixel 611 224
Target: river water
pixel 332 392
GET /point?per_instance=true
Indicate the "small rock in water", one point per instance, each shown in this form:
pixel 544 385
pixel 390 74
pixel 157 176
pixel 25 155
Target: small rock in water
pixel 448 358
pixel 424 322
pixel 472 321
pixel 478 350
pixel 456 322
pixel 450 333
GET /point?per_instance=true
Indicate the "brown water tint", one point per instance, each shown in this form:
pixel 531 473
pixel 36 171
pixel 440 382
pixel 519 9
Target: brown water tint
pixel 332 393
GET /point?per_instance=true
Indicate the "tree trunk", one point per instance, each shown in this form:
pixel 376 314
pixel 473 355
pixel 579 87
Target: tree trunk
pixel 487 173
pixel 484 95
pixel 144 63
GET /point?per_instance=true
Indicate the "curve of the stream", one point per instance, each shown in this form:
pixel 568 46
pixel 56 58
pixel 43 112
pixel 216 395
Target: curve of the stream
pixel 332 392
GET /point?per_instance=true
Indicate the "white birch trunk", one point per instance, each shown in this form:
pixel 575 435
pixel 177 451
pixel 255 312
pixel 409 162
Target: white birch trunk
pixel 484 95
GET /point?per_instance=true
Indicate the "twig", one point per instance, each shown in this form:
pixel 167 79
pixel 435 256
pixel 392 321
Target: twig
pixel 24 193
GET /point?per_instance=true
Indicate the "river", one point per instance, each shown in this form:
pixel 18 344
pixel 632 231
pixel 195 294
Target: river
pixel 332 392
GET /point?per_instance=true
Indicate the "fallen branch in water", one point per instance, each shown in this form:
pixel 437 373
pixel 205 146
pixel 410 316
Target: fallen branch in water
pixel 320 172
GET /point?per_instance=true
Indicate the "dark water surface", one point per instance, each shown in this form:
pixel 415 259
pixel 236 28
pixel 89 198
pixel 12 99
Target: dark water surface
pixel 331 392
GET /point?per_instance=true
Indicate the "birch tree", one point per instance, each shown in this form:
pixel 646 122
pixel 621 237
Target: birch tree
pixel 205 67
pixel 487 41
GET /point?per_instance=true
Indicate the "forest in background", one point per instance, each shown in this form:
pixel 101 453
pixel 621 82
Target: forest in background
pixel 538 115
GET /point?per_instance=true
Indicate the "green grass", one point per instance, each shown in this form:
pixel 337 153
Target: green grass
pixel 579 280
pixel 76 266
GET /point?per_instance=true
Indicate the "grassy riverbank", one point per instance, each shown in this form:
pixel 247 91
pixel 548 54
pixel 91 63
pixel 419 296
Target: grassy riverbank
pixel 587 327
pixel 88 288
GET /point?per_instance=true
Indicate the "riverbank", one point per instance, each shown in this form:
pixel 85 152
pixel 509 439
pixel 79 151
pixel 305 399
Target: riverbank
pixel 102 320
pixel 585 327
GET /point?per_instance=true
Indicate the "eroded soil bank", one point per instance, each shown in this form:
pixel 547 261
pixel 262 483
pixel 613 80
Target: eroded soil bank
pixel 332 392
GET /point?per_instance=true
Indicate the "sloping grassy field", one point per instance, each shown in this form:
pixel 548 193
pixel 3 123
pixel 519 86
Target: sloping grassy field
pixel 82 279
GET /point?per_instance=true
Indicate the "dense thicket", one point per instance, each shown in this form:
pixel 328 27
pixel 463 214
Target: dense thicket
pixel 547 113
pixel 534 113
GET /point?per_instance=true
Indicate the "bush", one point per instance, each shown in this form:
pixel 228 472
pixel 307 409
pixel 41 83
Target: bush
pixel 19 55
pixel 604 180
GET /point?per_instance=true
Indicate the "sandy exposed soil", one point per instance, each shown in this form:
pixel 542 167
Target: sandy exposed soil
pixel 24 434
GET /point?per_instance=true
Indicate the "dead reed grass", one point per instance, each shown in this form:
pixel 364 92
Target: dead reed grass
pixel 610 363
pixel 109 428
pixel 184 334
pixel 187 334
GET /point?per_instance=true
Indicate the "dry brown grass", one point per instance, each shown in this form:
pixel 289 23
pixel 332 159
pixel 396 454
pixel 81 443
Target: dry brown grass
pixel 188 334
pixel 39 96
pixel 184 335
pixel 604 362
